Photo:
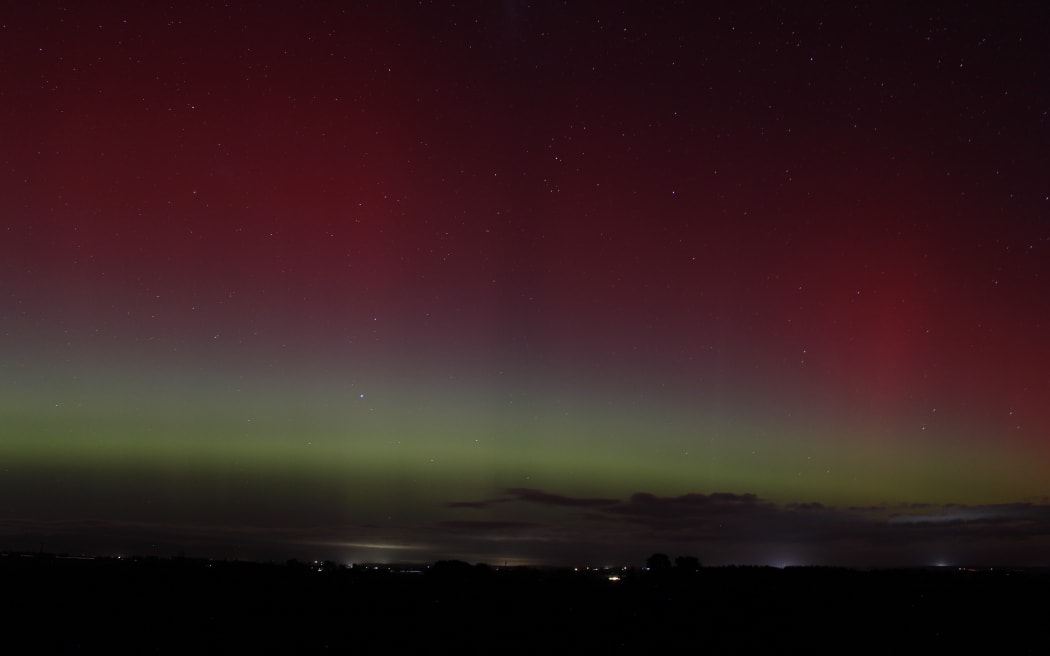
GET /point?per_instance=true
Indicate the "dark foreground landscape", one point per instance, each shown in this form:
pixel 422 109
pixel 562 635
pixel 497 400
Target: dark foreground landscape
pixel 54 604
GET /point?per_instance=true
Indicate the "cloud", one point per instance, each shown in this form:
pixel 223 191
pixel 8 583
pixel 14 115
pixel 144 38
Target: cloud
pixel 542 526
pixel 645 507
pixel 542 498
pixel 465 533
pixel 476 505
pixel 743 527
pixel 973 515
pixel 807 506
pixel 471 525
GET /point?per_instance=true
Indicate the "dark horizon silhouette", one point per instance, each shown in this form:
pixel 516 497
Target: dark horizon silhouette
pixel 65 605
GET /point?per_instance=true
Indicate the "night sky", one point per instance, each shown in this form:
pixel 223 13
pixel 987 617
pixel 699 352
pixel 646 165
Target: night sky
pixel 548 282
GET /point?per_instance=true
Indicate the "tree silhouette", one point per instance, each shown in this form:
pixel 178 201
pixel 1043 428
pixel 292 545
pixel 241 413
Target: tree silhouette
pixel 658 562
pixel 687 563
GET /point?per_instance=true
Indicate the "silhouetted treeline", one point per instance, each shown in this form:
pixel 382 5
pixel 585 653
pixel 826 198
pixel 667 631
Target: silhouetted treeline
pixel 58 605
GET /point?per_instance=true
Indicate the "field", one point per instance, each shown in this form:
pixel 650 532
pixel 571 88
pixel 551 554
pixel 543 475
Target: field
pixel 66 605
